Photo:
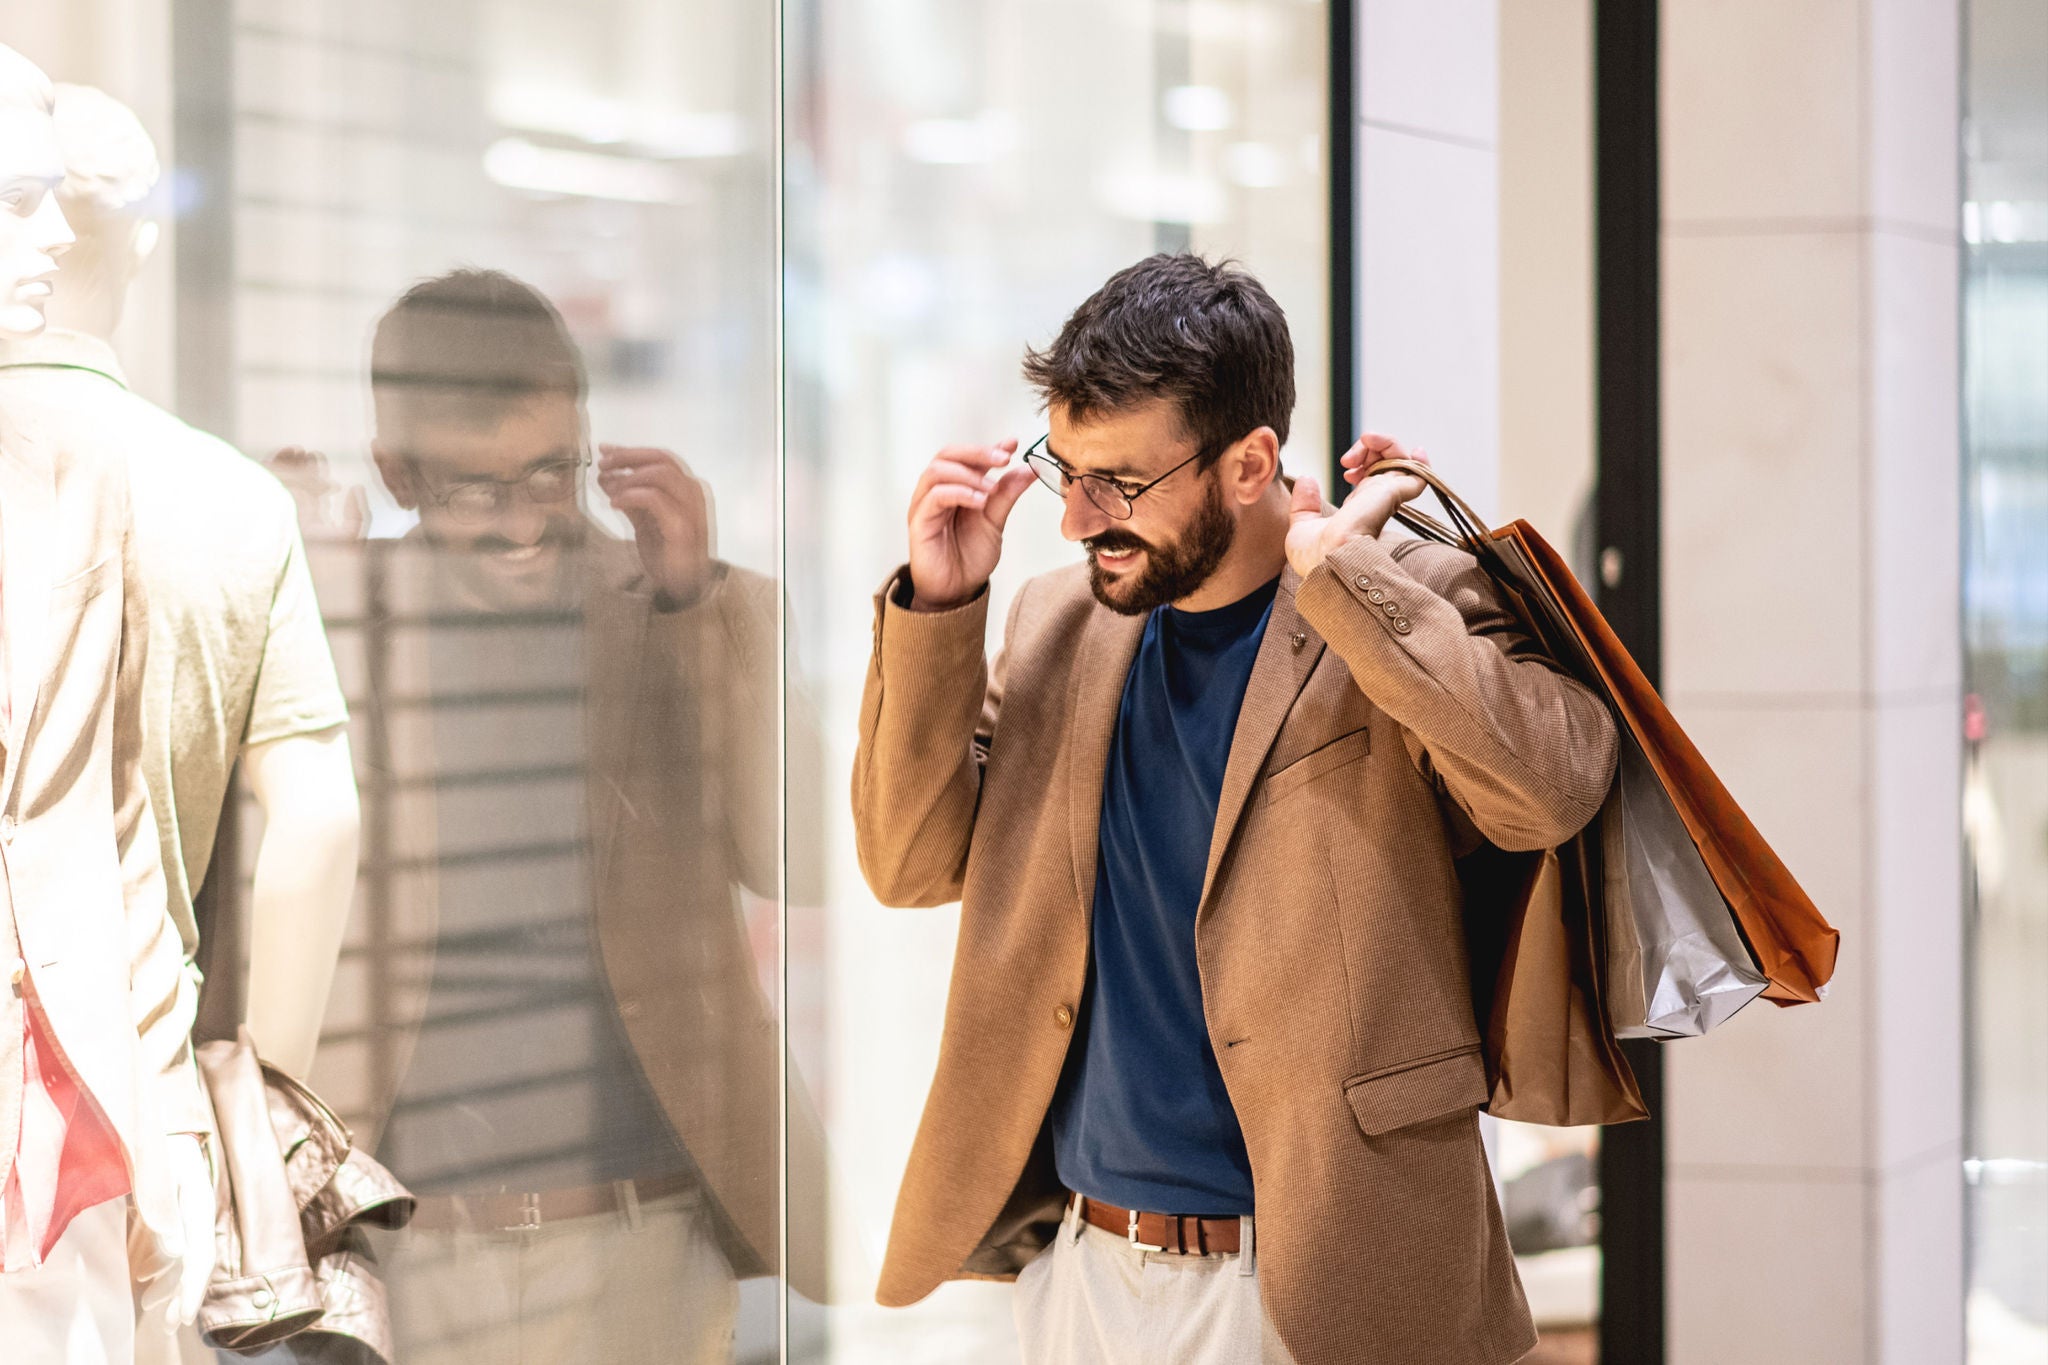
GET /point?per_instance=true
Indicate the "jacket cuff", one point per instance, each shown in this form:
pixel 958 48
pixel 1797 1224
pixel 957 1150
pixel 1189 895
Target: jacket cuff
pixel 938 642
pixel 1363 575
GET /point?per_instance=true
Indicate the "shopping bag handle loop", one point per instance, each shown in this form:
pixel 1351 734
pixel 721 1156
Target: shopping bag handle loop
pixel 1467 530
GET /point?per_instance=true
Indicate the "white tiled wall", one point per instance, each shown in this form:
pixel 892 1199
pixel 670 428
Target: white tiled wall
pixel 1812 647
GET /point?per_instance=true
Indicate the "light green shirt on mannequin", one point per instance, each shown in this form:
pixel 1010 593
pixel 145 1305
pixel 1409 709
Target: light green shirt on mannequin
pixel 237 652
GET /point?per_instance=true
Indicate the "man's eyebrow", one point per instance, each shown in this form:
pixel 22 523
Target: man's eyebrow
pixel 564 455
pixel 1117 473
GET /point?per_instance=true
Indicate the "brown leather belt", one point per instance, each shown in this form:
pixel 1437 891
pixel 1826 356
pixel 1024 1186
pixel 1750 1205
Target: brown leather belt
pixel 1176 1233
pixel 525 1212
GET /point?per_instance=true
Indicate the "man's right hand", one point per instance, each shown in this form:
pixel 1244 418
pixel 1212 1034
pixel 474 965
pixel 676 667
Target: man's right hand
pixel 956 522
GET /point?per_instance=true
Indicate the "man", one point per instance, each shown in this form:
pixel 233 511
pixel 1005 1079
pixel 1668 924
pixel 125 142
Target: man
pixel 1210 1070
pixel 239 663
pixel 105 1188
pixel 577 738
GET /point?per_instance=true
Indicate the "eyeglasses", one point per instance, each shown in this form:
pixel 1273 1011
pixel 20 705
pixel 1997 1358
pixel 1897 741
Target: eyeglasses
pixel 1113 497
pixel 475 501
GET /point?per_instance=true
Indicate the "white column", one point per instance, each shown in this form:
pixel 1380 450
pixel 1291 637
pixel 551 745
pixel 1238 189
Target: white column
pixel 1428 233
pixel 1812 649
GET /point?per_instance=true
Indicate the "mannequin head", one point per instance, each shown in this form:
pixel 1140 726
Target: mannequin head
pixel 33 232
pixel 110 172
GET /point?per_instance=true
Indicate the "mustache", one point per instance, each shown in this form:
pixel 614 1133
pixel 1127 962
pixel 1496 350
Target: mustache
pixel 1114 542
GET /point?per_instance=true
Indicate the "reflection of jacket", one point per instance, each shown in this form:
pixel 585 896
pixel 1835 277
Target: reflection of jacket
pixel 294 1196
pixel 1394 715
pixel 682 769
pixel 81 878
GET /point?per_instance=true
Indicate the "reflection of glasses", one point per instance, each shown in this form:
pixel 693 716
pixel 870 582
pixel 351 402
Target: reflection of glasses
pixel 1113 497
pixel 474 501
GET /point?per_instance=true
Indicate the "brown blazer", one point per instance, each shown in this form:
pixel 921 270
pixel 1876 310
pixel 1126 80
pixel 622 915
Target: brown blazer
pixel 83 914
pixel 1395 717
pixel 683 776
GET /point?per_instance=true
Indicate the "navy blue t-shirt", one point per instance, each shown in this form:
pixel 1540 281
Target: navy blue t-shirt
pixel 1141 1118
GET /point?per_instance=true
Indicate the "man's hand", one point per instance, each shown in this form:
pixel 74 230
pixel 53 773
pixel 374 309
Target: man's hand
pixel 670 510
pixel 1315 528
pixel 956 522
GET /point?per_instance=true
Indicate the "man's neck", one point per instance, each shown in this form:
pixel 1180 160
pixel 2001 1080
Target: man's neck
pixel 1257 555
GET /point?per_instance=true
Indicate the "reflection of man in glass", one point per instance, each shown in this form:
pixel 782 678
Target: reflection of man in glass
pixel 579 744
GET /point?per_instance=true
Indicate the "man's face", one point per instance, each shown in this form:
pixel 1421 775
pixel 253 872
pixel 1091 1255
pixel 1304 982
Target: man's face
pixel 1177 533
pixel 493 495
pixel 33 233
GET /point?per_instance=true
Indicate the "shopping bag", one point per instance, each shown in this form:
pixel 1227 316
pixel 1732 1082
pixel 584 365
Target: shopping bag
pixel 1537 988
pixel 1699 914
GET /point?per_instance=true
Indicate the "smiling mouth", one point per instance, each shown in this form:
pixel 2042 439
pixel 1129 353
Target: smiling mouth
pixel 525 554
pixel 1117 558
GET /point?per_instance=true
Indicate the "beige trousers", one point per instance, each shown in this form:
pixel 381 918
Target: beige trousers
pixel 653 1291
pixel 1091 1298
pixel 77 1307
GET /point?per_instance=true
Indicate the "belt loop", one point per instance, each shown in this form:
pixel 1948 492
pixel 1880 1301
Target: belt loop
pixel 529 1213
pixel 629 1203
pixel 1247 1248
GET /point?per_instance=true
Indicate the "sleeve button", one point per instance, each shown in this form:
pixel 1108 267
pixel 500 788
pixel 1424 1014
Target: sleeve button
pixel 1401 626
pixel 1064 1016
pixel 1391 608
pixel 1375 596
pixel 1362 581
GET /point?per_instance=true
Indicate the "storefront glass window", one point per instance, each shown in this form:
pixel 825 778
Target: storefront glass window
pixel 2005 622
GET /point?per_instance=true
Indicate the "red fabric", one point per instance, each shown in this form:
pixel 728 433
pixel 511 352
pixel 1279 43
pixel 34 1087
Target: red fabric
pixel 68 1157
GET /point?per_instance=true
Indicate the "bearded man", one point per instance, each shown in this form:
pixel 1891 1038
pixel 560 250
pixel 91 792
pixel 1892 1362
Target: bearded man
pixel 1210 1077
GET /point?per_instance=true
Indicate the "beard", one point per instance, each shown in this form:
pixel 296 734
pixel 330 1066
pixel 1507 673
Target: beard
pixel 1172 571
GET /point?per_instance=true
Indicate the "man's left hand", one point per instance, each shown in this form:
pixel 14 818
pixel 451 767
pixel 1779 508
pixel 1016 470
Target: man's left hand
pixel 1315 528
pixel 670 510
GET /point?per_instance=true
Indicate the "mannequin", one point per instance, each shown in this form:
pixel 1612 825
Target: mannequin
pixel 104 1172
pixel 214 528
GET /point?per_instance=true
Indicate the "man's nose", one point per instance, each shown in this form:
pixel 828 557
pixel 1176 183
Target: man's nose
pixel 1082 518
pixel 523 522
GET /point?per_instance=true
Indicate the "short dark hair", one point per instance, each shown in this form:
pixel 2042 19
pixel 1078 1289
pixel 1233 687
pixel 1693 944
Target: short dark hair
pixel 1206 336
pixel 468 347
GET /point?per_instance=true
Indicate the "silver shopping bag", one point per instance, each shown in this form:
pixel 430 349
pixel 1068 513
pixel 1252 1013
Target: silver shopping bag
pixel 1676 964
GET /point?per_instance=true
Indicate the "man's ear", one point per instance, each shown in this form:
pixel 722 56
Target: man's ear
pixel 398 475
pixel 1258 462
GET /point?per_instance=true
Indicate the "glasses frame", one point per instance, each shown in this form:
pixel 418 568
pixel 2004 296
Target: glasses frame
pixel 505 490
pixel 1040 458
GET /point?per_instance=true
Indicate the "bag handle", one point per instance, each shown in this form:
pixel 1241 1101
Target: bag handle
pixel 1467 530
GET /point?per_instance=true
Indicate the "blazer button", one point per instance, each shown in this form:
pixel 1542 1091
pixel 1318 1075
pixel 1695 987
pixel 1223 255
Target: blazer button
pixel 1375 596
pixel 1064 1016
pixel 1401 626
pixel 1392 608
pixel 1363 581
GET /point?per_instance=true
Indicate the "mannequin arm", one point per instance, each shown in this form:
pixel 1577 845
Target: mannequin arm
pixel 305 881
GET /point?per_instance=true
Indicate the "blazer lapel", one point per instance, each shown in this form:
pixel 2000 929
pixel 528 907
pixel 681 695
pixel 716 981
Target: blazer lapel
pixel 1278 675
pixel 1108 644
pixel 27 503
pixel 616 620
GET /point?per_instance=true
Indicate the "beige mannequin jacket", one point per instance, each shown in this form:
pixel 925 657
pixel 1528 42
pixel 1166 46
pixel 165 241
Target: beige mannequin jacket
pixel 82 879
pixel 1394 717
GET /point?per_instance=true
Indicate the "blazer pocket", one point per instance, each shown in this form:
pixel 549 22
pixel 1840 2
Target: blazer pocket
pixel 1431 1087
pixel 1347 748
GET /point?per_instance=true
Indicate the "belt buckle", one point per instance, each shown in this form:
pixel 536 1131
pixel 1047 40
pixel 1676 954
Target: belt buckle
pixel 1132 1234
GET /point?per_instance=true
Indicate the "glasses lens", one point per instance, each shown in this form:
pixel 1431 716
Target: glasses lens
pixel 553 483
pixel 1106 496
pixel 1048 473
pixel 473 502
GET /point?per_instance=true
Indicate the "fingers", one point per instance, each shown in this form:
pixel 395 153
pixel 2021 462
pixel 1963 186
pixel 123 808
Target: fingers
pixel 1359 462
pixel 1306 499
pixel 971 466
pixel 1003 496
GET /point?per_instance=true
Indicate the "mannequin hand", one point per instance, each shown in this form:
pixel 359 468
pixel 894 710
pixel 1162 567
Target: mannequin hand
pixel 956 522
pixel 670 509
pixel 171 1269
pixel 193 1174
pixel 1315 529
